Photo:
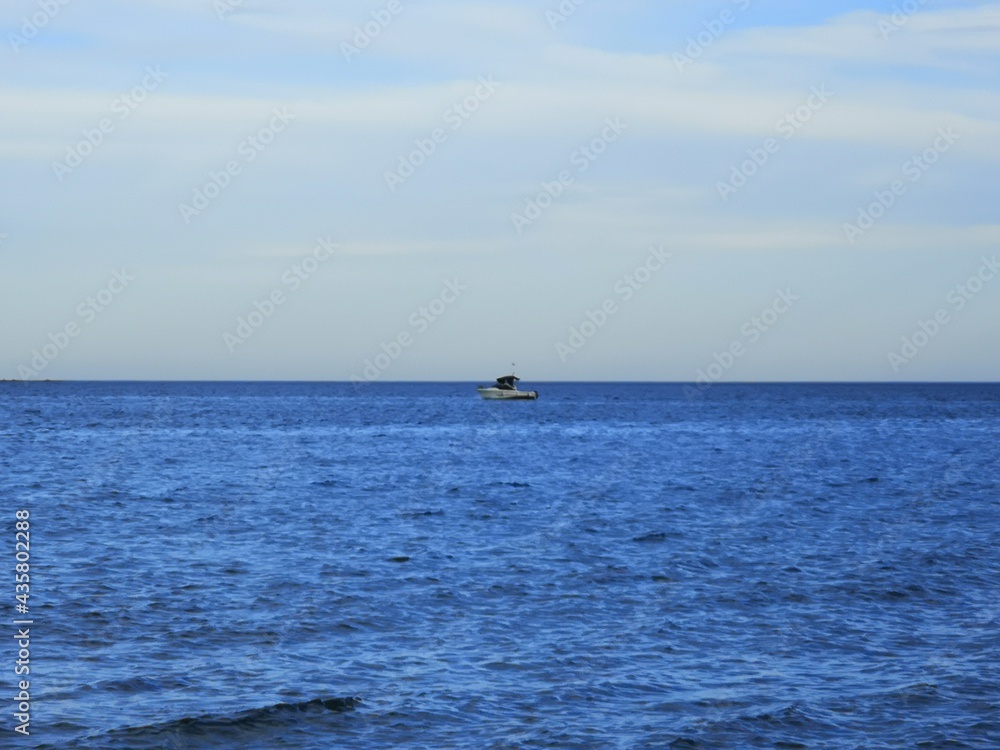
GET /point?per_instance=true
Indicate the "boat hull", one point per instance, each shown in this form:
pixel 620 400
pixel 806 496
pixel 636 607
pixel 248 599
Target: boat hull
pixel 499 394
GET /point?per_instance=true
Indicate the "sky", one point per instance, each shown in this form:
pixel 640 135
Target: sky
pixel 655 190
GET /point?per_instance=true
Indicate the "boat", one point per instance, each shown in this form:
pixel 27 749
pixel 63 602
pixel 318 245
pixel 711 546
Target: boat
pixel 505 389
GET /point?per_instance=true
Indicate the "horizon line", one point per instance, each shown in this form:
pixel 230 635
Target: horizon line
pixel 467 382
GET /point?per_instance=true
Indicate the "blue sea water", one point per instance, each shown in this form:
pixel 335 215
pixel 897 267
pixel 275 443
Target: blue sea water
pixel 223 565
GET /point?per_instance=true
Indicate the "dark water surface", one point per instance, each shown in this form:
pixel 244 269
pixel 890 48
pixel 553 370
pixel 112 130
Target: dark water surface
pixel 613 566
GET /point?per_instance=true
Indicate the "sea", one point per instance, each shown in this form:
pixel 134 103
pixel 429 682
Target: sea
pixel 404 565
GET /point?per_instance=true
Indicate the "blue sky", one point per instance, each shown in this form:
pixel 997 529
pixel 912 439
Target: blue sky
pixel 747 139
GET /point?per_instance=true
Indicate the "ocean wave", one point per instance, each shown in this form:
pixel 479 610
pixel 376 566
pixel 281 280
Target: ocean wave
pixel 210 730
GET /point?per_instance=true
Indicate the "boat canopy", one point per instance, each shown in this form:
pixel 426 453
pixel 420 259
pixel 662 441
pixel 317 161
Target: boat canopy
pixel 507 382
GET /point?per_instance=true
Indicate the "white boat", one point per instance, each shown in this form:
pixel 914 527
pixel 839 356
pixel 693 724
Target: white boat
pixel 505 389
